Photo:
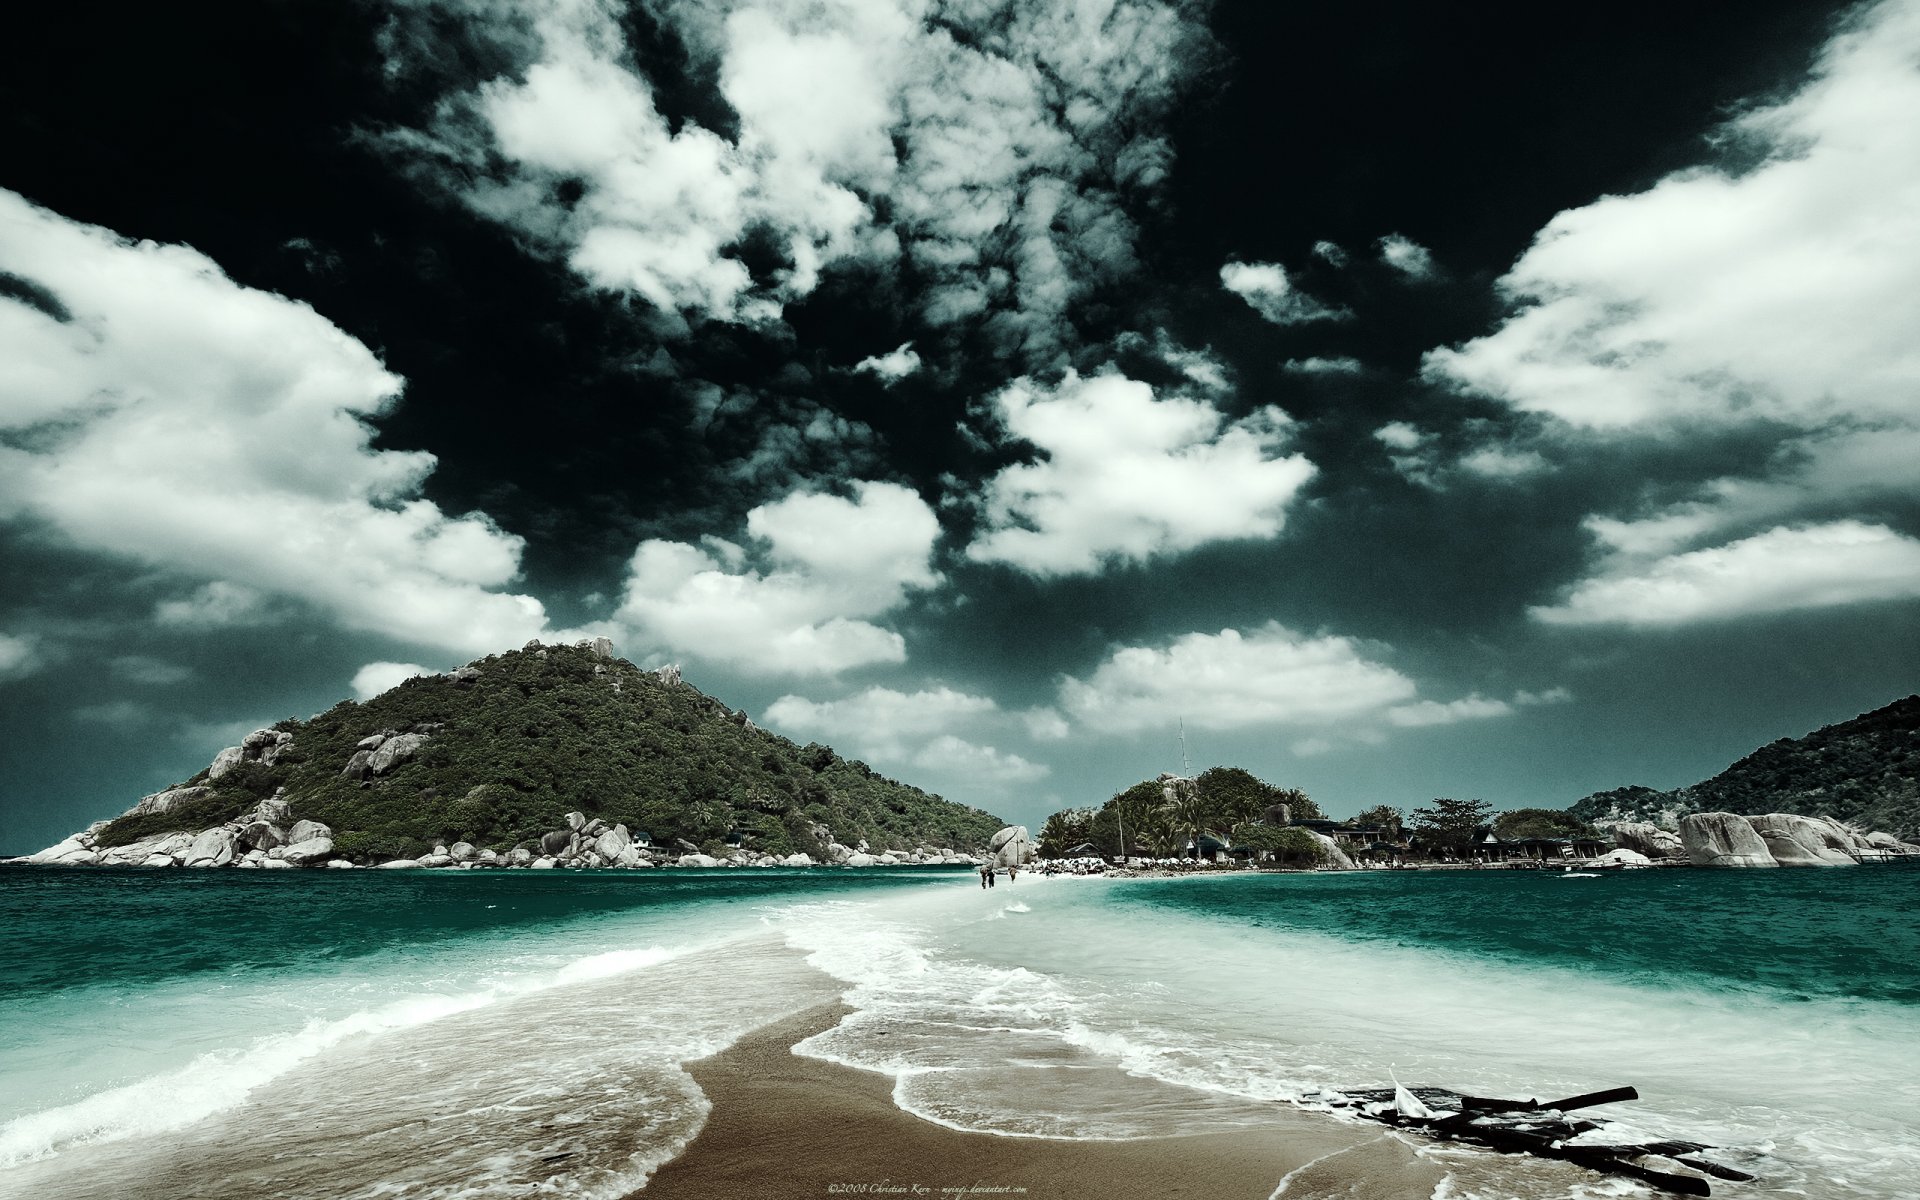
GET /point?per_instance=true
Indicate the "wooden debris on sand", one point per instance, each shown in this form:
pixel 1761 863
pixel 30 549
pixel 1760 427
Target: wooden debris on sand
pixel 1537 1127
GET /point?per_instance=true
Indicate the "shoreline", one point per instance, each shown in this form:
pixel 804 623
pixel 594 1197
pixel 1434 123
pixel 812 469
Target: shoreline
pixel 786 1126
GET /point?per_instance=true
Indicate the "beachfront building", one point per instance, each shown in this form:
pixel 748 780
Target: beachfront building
pixel 1488 846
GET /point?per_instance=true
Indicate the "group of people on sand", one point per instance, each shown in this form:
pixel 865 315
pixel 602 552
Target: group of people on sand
pixel 987 872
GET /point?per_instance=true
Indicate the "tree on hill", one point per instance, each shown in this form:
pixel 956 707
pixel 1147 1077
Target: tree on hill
pixel 1522 823
pixel 1299 804
pixel 506 748
pixel 1223 801
pixel 1383 815
pixel 1066 829
pixel 1285 844
pixel 1449 824
pixel 1236 797
pixel 1188 811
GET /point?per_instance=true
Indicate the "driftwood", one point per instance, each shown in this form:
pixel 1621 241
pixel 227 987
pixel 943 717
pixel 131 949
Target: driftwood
pixel 1537 1127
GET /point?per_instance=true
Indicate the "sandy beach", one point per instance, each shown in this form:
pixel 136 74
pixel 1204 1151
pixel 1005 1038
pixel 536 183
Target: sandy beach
pixel 784 1125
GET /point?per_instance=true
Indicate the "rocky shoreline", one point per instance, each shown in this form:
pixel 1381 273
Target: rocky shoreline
pixel 1723 839
pixel 265 840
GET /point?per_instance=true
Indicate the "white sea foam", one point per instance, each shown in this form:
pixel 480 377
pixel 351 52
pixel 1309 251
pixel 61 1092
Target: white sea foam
pixel 1192 1021
pixel 223 1079
pixel 571 1085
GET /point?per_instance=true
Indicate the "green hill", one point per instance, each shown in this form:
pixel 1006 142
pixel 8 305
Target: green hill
pixel 498 752
pixel 1865 771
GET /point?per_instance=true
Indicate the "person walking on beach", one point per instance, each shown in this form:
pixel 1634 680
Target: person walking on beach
pixel 986 875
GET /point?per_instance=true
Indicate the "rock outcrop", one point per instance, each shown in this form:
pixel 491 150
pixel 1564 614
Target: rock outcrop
pixel 1717 839
pixel 1011 847
pixel 214 848
pixel 308 851
pixel 263 746
pixel 1649 840
pixel 390 773
pixel 394 751
pixel 167 801
pixel 1337 858
pixel 1796 841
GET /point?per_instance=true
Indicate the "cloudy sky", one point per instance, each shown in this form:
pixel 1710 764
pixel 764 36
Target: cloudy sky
pixel 1410 403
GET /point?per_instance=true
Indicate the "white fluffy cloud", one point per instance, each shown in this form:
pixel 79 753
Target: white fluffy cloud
pixel 910 729
pixel 1785 292
pixel 1781 570
pixel 1407 256
pixel 158 412
pixel 1266 287
pixel 1127 476
pixel 1788 291
pixel 954 756
pixel 892 366
pixel 19 656
pixel 1268 678
pixel 990 146
pixel 377 677
pixel 215 604
pixel 1317 365
pixel 800 601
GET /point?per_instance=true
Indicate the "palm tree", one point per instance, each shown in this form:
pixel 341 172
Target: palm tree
pixel 1186 810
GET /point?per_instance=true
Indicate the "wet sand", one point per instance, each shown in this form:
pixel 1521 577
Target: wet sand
pixel 788 1126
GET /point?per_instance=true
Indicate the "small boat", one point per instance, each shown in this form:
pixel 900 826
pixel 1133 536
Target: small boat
pixel 1537 1127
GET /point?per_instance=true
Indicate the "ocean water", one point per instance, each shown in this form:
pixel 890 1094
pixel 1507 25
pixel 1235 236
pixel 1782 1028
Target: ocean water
pixel 456 1034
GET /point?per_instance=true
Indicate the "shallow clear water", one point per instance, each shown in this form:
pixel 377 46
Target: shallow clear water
pixel 486 1033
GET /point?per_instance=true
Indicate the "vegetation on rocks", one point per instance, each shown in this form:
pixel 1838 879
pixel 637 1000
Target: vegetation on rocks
pixel 1865 772
pixel 1448 824
pixel 1220 801
pixel 514 742
pixel 1522 823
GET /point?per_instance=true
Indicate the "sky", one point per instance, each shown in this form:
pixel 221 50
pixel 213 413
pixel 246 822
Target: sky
pixel 1026 396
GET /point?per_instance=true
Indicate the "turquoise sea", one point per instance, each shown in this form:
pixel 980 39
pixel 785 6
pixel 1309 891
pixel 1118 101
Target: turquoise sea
pixel 487 1033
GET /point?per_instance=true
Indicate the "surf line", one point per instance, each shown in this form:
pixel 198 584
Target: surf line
pixel 1286 1181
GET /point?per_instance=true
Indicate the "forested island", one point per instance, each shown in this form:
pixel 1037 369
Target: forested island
pixel 538 753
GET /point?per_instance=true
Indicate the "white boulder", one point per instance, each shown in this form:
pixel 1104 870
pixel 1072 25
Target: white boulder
pixel 797 860
pixel 306 851
pixel 1797 841
pixel 1720 839
pixel 861 860
pixel 61 852
pixel 697 860
pixel 394 751
pixel 214 848
pixel 306 831
pixel 398 864
pixel 1649 840
pixel 262 836
pixel 167 801
pixel 614 843
pixel 225 761
pixel 1011 847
